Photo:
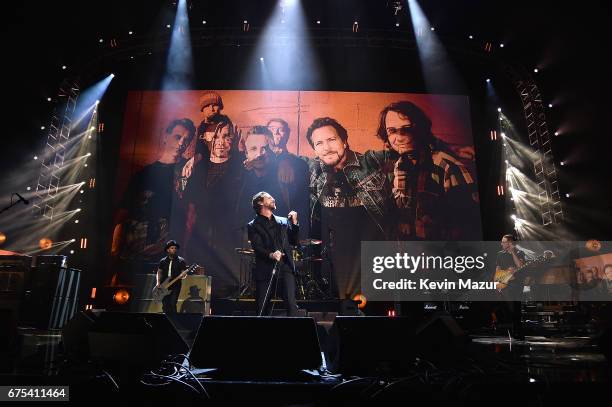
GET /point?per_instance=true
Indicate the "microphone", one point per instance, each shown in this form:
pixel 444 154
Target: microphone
pixel 25 201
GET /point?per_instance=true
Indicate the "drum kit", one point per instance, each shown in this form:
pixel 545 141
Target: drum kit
pixel 307 259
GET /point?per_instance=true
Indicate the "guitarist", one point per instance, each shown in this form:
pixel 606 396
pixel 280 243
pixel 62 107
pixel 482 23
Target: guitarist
pixel 171 266
pixel 271 237
pixel 511 257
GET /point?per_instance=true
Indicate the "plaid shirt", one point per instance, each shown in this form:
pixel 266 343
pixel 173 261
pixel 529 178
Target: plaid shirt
pixel 439 200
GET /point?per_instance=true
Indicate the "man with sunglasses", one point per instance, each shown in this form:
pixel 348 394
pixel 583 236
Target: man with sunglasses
pixel 434 193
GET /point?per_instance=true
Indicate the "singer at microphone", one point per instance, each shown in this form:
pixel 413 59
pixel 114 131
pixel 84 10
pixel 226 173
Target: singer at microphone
pixel 271 238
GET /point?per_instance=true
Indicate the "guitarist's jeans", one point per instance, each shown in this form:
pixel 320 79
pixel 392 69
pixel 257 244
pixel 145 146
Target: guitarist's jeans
pixel 170 300
pixel 286 286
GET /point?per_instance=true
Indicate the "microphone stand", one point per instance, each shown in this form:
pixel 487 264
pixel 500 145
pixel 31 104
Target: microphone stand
pixel 265 301
pixel 13 203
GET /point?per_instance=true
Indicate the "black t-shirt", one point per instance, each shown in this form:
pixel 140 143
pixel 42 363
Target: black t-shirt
pixel 505 259
pixel 178 265
pixel 343 216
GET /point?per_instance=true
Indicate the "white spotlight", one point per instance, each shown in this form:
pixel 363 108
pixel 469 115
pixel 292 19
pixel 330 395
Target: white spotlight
pixel 503 134
pixel 550 105
pixel 100 40
pixel 73 240
pixel 78 210
pixel 536 70
pixel 556 133
pixel 88 154
pixel 112 75
pixel 397 24
pixel 245 22
pixel 433 29
pixel 506 161
pixel 97 101
pixel 261 59
pixel 168 26
pixel 89 136
pixel 318 21
pixel 64 67
pixel 81 191
pixel 567 195
pixel 513 217
pixel 356 22
pixel 85 165
pixel 131 32
pixel 42 127
pixel 499 109
pixel 501 45
pixel 71 251
pixel 488 80
pixel 48 99
pixel 204 22
pixel 562 163
pixel 471 37
pixel 36 157
pixel 28 188
pixel 76 221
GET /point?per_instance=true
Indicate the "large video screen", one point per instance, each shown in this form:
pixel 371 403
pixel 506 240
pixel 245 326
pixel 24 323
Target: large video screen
pixel 355 166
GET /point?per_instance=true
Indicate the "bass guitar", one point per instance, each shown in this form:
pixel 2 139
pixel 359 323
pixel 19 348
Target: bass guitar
pixel 160 292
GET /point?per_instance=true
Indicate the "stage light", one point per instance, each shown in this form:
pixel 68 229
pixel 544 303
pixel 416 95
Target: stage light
pixel 245 22
pixel 28 188
pixel 85 165
pixel 556 133
pixel 45 243
pixel 550 105
pixel 112 75
pixel 503 134
pixel 567 195
pixel 72 240
pixel 282 21
pixel 361 300
pixel 78 210
pixel 531 380
pixel 121 297
pixel 488 80
pixel 261 59
pixel 499 109
pixel 506 161
pixel 130 32
pixel 42 127
pixel 89 136
pixel 48 99
pixel 82 192
pixel 513 217
pixel 562 163
pixel 501 45
pixel 76 221
pixel 36 157
pixel 397 24
pixel 432 29
pixel 168 25
pixel 97 101
pixel 100 40
pixel 64 67
pixel 88 154
pixel 71 251
pixel 536 70
pixel 471 37
pixel 318 21
pixel 203 21
pixel 2 238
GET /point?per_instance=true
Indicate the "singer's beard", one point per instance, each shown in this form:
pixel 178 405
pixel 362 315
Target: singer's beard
pixel 330 165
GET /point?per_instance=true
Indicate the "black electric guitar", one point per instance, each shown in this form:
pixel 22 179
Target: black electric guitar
pixel 160 292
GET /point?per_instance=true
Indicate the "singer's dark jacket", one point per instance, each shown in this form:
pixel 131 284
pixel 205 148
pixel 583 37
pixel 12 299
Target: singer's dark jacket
pixel 262 236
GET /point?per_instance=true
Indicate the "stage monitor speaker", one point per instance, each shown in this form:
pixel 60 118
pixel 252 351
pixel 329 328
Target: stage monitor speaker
pixel 75 339
pixel 134 339
pixel 440 338
pixel 372 345
pixel 245 346
pixel 8 340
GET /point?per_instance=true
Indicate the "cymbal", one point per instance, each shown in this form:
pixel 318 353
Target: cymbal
pixel 308 242
pixel 245 252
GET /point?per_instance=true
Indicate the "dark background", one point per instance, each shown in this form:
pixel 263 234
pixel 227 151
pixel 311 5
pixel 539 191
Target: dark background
pixel 568 42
